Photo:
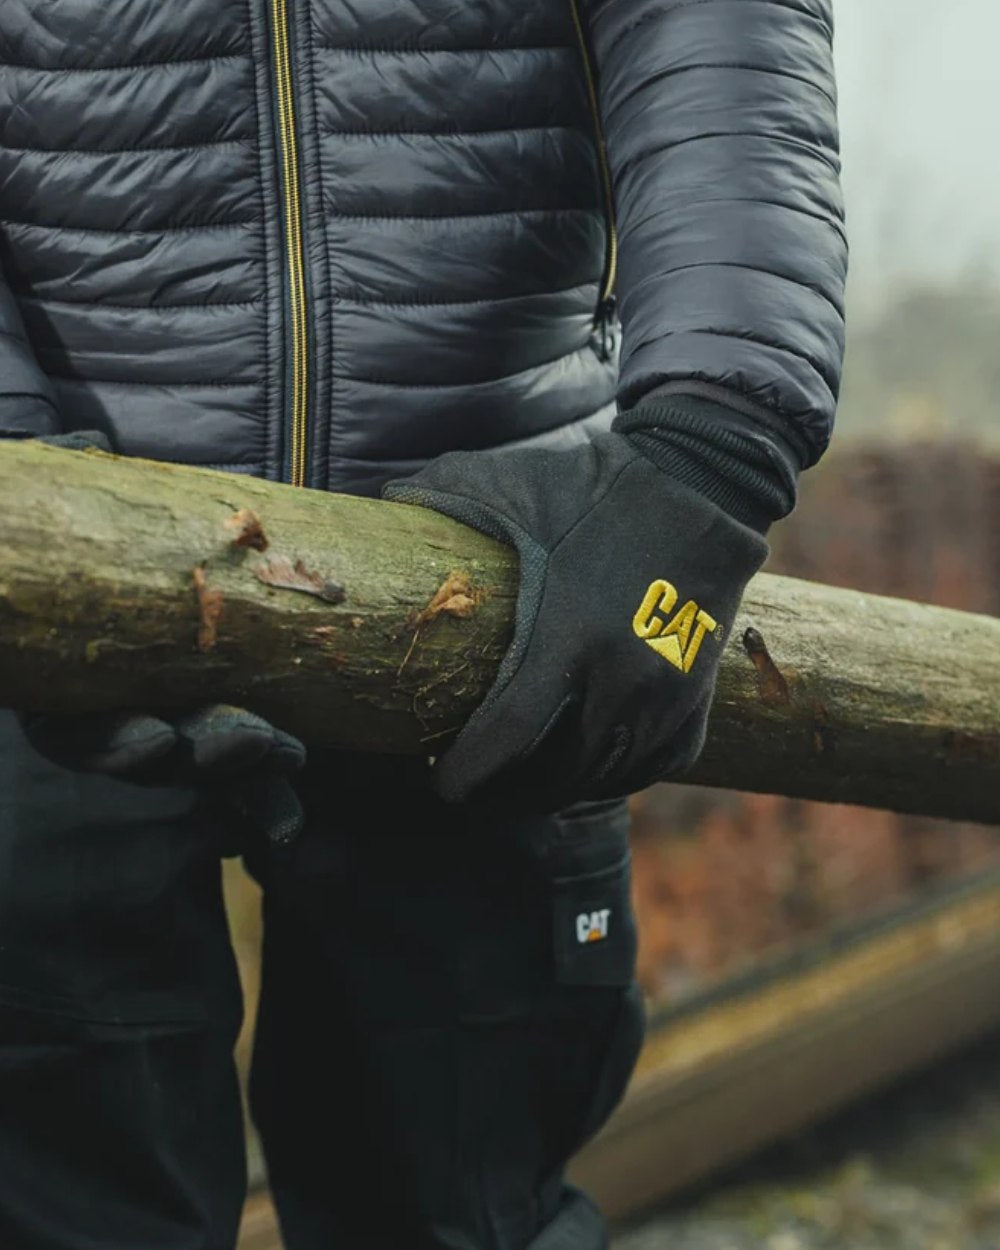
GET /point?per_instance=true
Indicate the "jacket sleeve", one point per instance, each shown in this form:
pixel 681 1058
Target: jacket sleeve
pixel 720 123
pixel 27 404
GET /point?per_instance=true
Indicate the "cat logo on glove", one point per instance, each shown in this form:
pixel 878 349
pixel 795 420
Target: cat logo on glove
pixel 677 638
pixel 592 926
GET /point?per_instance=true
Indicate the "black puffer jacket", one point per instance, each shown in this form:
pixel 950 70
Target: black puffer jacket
pixel 326 241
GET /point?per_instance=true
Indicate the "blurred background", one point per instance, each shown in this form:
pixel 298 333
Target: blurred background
pixel 907 503
pixel 800 959
pixel 919 92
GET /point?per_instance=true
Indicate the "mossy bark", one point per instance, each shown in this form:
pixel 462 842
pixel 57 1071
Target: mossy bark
pixel 358 623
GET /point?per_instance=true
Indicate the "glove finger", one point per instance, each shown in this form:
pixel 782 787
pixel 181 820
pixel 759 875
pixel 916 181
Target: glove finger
pixel 688 742
pixel 287 755
pixel 277 812
pixel 672 760
pixel 123 745
pixel 549 777
pixel 511 755
pixel 266 804
pixel 223 740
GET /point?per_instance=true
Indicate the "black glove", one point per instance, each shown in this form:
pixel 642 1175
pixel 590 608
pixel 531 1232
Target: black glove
pixel 630 581
pixel 241 765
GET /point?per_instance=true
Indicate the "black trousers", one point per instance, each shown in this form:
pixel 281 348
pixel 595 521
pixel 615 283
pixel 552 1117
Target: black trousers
pixel 447 1013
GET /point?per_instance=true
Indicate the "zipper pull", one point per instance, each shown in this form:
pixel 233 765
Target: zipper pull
pixel 605 328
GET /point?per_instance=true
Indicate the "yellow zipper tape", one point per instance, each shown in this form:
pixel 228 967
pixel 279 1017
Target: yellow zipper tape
pixel 293 238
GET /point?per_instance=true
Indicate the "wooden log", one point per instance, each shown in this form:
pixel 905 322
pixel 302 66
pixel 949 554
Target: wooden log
pixel 357 623
pixel 129 583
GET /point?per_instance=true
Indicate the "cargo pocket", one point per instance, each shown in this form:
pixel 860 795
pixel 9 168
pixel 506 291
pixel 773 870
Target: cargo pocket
pixel 594 934
pixel 596 1008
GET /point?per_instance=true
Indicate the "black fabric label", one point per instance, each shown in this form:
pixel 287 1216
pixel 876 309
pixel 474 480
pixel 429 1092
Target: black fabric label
pixel 594 932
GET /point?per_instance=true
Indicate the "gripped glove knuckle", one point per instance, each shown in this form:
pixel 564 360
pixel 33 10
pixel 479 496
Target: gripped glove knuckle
pixel 241 765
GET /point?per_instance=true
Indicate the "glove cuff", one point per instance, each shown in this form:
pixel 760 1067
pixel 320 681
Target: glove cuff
pixel 717 452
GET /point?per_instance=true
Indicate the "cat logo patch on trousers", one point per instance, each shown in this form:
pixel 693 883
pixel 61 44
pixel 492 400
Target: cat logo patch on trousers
pixel 677 638
pixel 592 926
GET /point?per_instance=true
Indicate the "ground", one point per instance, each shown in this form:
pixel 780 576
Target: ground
pixel 917 1168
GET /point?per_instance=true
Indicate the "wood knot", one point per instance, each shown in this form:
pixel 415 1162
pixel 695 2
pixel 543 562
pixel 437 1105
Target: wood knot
pixel 246 530
pixel 771 685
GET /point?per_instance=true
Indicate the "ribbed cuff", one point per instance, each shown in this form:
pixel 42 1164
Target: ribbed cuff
pixel 717 451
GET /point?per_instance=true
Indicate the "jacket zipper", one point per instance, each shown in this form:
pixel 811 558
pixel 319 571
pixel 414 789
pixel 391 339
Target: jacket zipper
pixel 605 313
pixel 297 452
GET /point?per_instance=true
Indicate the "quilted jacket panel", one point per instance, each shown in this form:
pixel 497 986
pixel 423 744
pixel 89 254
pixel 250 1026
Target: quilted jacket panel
pixel 453 221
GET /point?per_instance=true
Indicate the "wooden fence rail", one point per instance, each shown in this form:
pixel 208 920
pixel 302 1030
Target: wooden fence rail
pixel 376 626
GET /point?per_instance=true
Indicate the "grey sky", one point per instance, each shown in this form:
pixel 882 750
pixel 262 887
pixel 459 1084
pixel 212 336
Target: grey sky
pixel 920 107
